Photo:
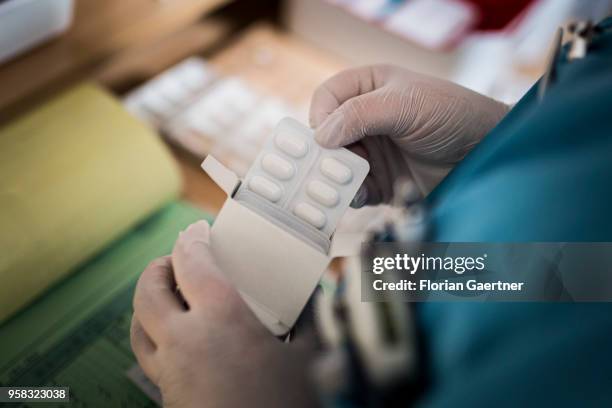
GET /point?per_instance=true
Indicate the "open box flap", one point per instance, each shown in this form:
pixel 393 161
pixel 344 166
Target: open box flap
pixel 224 177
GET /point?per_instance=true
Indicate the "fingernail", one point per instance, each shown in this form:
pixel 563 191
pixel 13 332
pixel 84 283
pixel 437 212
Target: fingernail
pixel 329 134
pixel 360 198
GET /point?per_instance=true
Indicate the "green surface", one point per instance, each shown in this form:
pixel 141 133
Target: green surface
pixel 77 333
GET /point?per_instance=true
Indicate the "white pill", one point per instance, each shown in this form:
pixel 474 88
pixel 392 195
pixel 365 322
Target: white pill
pixel 310 214
pixel 265 188
pixel 291 144
pixel 336 171
pixel 322 193
pixel 277 166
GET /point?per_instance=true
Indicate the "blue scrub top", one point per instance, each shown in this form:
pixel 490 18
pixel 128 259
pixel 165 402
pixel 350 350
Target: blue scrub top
pixel 543 174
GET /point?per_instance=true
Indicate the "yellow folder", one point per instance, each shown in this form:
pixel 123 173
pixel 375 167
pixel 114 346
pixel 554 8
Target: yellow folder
pixel 75 174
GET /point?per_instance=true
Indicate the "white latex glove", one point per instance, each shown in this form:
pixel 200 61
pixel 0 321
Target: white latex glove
pixel 211 352
pixel 404 123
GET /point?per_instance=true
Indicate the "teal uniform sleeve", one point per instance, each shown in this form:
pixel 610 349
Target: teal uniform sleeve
pixel 543 174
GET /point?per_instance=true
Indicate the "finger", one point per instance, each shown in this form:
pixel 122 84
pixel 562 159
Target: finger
pixel 143 348
pixel 194 266
pixel 139 339
pixel 155 300
pixel 371 114
pixel 339 88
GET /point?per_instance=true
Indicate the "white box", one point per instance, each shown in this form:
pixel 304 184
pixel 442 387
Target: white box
pixel 26 23
pixel 275 272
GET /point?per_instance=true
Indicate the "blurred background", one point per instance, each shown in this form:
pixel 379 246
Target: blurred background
pixel 107 108
pixel 216 75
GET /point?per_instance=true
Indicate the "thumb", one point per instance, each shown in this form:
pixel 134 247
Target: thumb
pixel 360 116
pixel 195 270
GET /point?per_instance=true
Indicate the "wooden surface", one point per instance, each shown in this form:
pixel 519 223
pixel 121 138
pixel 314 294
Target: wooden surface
pixel 101 28
pixel 277 63
pixel 137 64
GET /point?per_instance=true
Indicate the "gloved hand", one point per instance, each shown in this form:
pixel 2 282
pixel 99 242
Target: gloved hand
pixel 405 124
pixel 207 348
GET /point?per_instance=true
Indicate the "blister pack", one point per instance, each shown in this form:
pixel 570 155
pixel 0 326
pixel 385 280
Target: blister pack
pixel 275 235
pixel 299 185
